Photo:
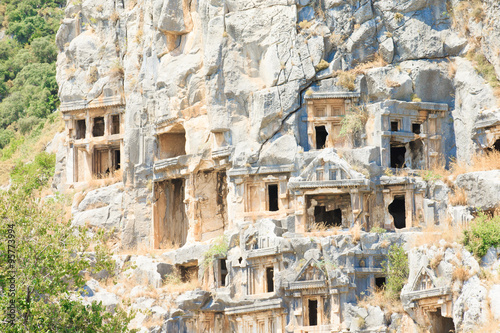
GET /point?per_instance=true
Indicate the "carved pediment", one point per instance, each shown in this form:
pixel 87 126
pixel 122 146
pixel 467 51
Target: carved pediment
pixel 311 272
pixel 424 280
pixel 329 166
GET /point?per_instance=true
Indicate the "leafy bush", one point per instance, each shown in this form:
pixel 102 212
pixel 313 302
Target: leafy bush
pixel 218 249
pixel 396 269
pixel 50 258
pixel 32 176
pixel 5 136
pixel 353 122
pixel 27 124
pixel 378 230
pixel 482 233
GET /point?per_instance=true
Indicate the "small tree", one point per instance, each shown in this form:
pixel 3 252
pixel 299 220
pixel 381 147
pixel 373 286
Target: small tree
pixel 396 269
pixel 483 233
pixel 42 262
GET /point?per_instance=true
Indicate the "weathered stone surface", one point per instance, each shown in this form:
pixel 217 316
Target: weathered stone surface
pixel 482 188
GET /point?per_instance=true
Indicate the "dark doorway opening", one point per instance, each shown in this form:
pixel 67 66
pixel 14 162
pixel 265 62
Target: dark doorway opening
pixel 331 218
pixel 496 145
pixel 188 273
pixel 270 279
pixel 416 128
pixel 313 312
pixel 394 126
pixel 321 135
pixel 81 129
pixel 116 160
pixel 440 324
pixel 223 272
pixel 398 211
pixel 380 282
pixel 397 156
pixel 272 192
pixel 98 129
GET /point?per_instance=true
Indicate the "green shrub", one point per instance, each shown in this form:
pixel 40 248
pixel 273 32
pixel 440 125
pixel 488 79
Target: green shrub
pixel 32 176
pixel 27 124
pixel 482 233
pixel 5 136
pixel 378 230
pixel 354 121
pixel 397 270
pixel 218 249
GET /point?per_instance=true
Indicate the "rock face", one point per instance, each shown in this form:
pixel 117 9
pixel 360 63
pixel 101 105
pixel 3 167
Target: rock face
pixel 262 123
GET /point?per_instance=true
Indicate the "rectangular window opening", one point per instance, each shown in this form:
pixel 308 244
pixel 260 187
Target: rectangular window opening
pixel 397 156
pixel 313 312
pixel 270 279
pixel 98 129
pixel 272 192
pixel 116 159
pixel 223 272
pixel 394 126
pixel 81 129
pixel 115 124
pixel 415 128
pixel 380 282
pixel 329 218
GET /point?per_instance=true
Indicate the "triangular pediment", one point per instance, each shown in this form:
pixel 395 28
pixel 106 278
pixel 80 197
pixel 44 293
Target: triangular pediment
pixel 329 166
pixel 311 272
pixel 424 280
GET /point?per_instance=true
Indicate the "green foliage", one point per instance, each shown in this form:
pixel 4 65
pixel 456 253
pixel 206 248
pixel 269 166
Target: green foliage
pixel 50 259
pixel 8 151
pixel 354 121
pixel 28 86
pixel 482 233
pixel 378 230
pixel 36 174
pixel 484 68
pixel 218 249
pixel 396 270
pixel 30 19
pixel 5 136
pixel 73 316
pixel 27 124
pixel 429 175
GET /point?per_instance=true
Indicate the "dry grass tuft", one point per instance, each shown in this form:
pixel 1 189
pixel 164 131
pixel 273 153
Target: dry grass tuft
pixel 432 235
pixel 355 232
pixel 114 177
pixel 114 17
pixel 380 298
pixel 436 260
pixel 479 162
pixel 452 68
pixel 321 230
pixel 458 198
pixel 461 273
pixel 392 84
pixel 346 80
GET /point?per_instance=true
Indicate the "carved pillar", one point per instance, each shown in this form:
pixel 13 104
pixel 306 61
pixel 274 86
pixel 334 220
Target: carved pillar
pixel 388 220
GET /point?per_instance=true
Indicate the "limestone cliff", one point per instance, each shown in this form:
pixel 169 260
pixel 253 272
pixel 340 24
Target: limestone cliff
pixel 266 120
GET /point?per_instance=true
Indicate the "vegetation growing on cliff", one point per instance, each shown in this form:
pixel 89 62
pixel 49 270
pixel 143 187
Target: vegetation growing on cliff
pixel 47 260
pixel 482 233
pixel 28 87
